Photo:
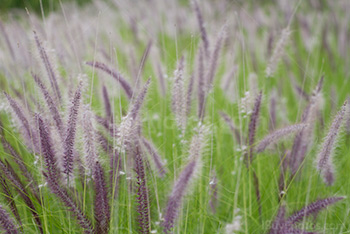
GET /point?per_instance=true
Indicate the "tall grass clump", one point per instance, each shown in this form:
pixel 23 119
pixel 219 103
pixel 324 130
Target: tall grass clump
pixel 175 117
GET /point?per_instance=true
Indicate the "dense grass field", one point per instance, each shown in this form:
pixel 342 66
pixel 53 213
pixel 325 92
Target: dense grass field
pixel 176 117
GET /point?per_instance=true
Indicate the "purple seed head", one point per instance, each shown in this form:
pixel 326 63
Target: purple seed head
pixel 47 150
pixel 277 135
pixel 108 109
pixel 201 27
pixel 48 66
pixel 303 138
pixel 324 160
pixel 142 191
pixel 252 127
pixel 116 75
pixel 312 208
pixel 29 134
pixel 102 208
pixel 51 104
pixel 6 222
pixel 155 156
pixel 176 197
pixel 89 138
pixel 178 96
pixel 214 59
pixel 279 222
pixel 70 132
pixel 201 85
pixel 135 108
pixel 189 95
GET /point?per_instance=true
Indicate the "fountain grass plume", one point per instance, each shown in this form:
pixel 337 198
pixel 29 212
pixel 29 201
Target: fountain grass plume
pixel 53 178
pixel 89 138
pixel 324 158
pixel 144 58
pixel 47 150
pixel 109 126
pixel 9 198
pixel 248 157
pixel 55 188
pixel 347 117
pixel 51 105
pixel 189 95
pixel 161 79
pixel 201 85
pixel 311 209
pixel 272 112
pixel 202 29
pixel 21 165
pixel 213 202
pixel 176 197
pixel 279 221
pixel 198 142
pixel 6 222
pixel 9 174
pixel 155 156
pixel 68 144
pixel 278 52
pixel 136 106
pixel 287 225
pixel 48 66
pixel 108 109
pixel 303 137
pixel 126 133
pixel 116 75
pixel 254 118
pixel 129 125
pixel 102 207
pixel 301 92
pixel 214 58
pixel 178 96
pixel 115 162
pixel 182 183
pixel 103 142
pixel 27 132
pixel 277 135
pixel 142 197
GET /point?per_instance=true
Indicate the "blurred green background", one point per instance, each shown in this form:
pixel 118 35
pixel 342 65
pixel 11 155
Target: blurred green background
pixel 50 5
pixel 34 5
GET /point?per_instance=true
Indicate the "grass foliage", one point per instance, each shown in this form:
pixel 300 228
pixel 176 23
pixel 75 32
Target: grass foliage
pixel 176 117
